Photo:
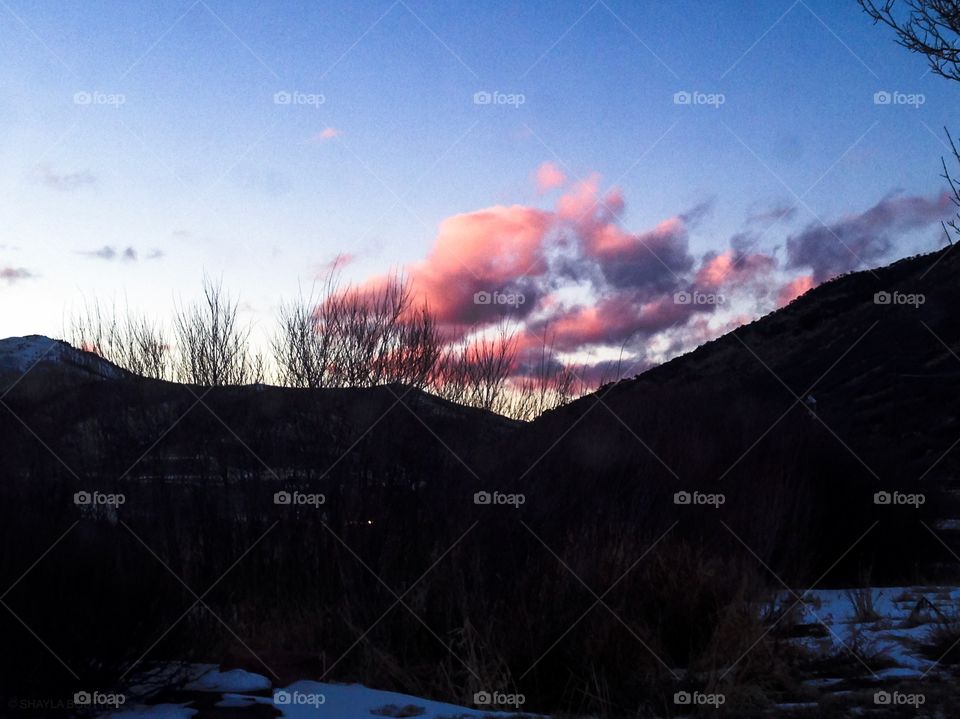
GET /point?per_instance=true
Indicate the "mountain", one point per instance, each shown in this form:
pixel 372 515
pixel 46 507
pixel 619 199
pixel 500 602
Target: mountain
pixel 799 417
pixel 874 354
pixel 40 360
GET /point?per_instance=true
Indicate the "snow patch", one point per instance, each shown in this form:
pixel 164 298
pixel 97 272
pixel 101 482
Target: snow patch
pixel 235 680
pixel 19 355
pixel 157 711
pixel 355 701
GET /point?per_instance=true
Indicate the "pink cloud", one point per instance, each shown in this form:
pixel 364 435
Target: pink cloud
pixel 793 289
pixel 549 177
pixel 733 268
pixel 580 248
pixel 580 202
pixel 15 274
pixel 328 133
pixel 618 318
pixel 499 249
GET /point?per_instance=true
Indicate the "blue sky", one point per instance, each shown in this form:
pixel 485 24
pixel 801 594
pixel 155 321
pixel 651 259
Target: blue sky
pixel 202 170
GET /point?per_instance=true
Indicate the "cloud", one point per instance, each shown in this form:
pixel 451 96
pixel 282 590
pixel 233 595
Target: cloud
pixel 733 268
pixel 327 133
pixel 574 272
pixel 518 261
pixel 498 250
pixel 864 239
pixel 126 254
pixel 15 274
pixel 650 261
pixel 104 253
pixel 618 319
pixel 793 289
pixel 772 215
pixel 65 182
pixel 549 177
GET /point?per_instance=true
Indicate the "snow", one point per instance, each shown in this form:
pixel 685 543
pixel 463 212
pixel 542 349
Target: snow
pixel 157 711
pixel 235 680
pixel 355 701
pixel 893 635
pixel 300 700
pixel 19 355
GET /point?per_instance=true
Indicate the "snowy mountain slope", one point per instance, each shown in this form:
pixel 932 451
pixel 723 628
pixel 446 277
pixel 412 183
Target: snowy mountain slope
pixel 21 356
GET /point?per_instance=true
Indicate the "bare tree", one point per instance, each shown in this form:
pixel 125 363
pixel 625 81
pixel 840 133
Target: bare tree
pixel 549 385
pixel 213 347
pixel 302 350
pixel 148 353
pixel 928 27
pixel 952 225
pixel 357 337
pixel 127 339
pixel 365 323
pixel 474 370
pixel 417 347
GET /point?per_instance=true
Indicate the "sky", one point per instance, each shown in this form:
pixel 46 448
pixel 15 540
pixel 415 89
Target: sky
pixel 630 179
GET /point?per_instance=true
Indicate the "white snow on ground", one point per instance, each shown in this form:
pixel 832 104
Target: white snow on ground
pixel 305 699
pixel 893 635
pixel 302 699
pixel 235 680
pixel 157 711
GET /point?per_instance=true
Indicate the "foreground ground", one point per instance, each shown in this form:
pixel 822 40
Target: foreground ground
pixel 882 652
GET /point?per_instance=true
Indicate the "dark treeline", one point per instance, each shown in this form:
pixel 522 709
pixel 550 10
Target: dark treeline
pixel 338 337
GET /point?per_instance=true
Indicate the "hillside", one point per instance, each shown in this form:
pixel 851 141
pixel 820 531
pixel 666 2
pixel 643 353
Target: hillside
pixel 798 418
